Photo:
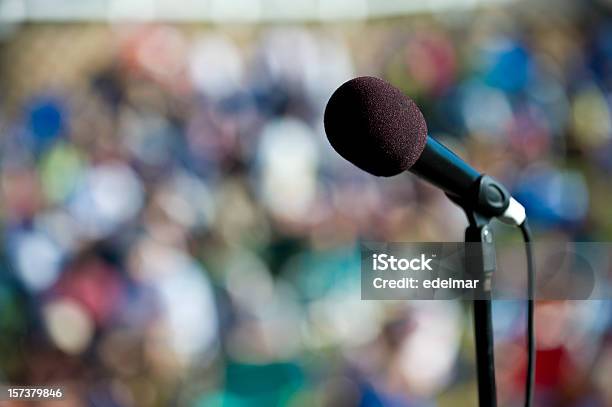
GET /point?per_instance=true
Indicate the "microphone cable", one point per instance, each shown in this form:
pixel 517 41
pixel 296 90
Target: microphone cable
pixel 531 346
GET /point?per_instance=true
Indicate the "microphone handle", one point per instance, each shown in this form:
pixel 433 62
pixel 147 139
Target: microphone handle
pixel 443 168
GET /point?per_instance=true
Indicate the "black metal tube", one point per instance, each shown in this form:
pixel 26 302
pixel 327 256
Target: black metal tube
pixel 483 322
pixel 440 166
pixel 485 365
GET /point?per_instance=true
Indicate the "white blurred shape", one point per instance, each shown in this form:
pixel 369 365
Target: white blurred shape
pixel 323 78
pixel 68 325
pixel 289 55
pixel 38 260
pixel 248 280
pixel 61 10
pixel 216 66
pixel 187 301
pixel 278 10
pixel 439 5
pixel 486 110
pixel 183 9
pixel 280 321
pixel 428 355
pixel 236 10
pixel 289 161
pixel 188 201
pixel 343 318
pixel 109 195
pixel 274 310
pixel 12 11
pixel 343 9
pixel 131 10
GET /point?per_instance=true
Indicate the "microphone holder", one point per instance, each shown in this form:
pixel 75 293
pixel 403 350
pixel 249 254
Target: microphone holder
pixel 481 261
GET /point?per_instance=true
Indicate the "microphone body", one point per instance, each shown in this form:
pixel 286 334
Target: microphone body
pixel 441 167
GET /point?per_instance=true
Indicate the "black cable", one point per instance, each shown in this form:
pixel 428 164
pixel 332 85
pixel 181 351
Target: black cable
pixel 531 356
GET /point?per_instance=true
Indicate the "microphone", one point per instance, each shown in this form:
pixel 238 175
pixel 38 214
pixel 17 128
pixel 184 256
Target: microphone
pixel 376 127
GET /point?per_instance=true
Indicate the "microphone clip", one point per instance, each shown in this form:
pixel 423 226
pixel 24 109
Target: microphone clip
pixel 490 199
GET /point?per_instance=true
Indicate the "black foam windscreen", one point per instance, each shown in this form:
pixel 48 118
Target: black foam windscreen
pixel 375 126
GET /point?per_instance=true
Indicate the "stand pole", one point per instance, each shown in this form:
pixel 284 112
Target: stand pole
pixel 481 261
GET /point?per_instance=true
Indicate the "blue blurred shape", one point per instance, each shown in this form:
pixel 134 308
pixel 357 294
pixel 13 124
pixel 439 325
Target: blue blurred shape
pixel 507 66
pixel 554 197
pixel 46 120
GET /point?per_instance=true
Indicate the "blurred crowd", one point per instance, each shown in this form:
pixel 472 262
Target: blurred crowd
pixel 176 230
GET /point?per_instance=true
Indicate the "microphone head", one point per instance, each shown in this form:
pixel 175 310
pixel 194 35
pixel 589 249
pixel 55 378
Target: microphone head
pixel 375 126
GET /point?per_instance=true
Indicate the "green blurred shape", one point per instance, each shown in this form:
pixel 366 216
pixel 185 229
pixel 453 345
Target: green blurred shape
pixel 60 171
pixel 256 385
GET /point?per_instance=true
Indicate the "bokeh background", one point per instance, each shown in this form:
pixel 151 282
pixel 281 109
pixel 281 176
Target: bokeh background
pixel 176 230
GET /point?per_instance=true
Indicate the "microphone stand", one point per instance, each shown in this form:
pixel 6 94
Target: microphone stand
pixel 480 258
pixel 481 262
